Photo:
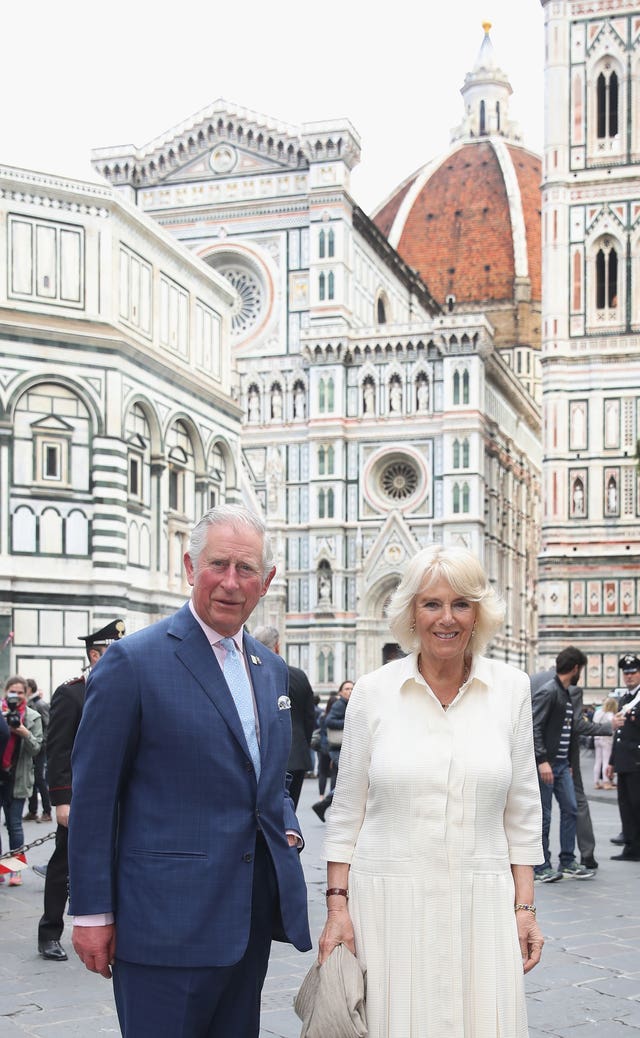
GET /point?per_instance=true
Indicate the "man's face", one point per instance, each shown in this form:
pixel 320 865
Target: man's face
pixel 631 678
pixel 227 581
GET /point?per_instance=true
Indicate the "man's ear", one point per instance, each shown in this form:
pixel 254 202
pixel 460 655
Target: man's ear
pixel 265 586
pixel 188 565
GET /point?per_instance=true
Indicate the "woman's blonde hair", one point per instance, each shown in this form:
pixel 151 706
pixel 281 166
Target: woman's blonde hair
pixel 465 575
pixel 610 705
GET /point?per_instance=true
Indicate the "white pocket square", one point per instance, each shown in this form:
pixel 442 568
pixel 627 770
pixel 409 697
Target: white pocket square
pixel 284 703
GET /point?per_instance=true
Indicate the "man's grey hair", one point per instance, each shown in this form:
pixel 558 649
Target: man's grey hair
pixel 239 518
pixel 269 636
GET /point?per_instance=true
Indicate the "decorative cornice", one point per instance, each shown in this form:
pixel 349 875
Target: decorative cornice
pixel 28 176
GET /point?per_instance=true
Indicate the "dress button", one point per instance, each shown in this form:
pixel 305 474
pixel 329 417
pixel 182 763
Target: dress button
pixel 247 857
pixel 249 766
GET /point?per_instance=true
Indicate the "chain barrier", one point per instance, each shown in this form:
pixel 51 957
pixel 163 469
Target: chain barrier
pixel 27 846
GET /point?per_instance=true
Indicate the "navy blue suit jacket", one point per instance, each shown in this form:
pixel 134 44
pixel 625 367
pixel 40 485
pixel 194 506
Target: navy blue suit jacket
pixel 166 803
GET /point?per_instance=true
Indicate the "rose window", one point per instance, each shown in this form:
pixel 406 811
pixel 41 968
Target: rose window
pixel 399 480
pixel 248 305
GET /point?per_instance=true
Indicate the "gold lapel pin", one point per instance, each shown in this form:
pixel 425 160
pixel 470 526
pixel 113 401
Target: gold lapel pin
pixel 256 660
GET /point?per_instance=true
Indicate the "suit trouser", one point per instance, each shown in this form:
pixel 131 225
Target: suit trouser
pixel 629 806
pixel 56 890
pixel 584 828
pixel 209 1001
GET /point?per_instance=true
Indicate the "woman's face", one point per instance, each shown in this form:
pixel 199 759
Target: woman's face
pixel 18 689
pixel 346 689
pixel 444 621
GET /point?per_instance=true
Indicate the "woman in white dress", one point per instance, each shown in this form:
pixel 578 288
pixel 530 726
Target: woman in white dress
pixel 436 820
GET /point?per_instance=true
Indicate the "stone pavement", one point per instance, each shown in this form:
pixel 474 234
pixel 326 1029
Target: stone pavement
pixel 587 985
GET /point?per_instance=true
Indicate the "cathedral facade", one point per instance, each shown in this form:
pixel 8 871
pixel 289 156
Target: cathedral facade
pixel 377 416
pixel 589 590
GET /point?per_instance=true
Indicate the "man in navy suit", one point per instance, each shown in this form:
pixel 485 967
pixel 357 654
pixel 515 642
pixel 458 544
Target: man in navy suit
pixel 183 840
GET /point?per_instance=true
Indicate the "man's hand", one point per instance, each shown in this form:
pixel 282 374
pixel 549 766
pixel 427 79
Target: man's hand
pixel 62 815
pixel 545 772
pixel 96 946
pixel 618 720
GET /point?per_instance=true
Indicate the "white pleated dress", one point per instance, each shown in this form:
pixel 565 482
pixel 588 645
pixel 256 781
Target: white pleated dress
pixel 431 809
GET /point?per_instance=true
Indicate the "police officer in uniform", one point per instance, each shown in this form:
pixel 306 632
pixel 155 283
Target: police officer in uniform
pixel 66 710
pixel 625 758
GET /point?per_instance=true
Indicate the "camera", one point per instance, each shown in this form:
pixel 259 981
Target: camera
pixel 12 717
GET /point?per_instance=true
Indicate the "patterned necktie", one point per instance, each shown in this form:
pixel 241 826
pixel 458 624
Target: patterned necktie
pixel 238 682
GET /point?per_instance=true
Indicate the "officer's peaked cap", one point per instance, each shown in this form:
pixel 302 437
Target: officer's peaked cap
pixel 110 633
pixel 629 663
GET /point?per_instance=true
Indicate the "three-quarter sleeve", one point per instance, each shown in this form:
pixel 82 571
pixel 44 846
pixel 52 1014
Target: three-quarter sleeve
pixel 345 818
pixel 523 811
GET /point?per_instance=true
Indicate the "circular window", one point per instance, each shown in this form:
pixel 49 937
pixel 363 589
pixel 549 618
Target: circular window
pixel 396 479
pixel 223 158
pixel 399 480
pixel 248 305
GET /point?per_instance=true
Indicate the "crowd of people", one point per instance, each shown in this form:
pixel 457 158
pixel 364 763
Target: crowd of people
pixel 176 761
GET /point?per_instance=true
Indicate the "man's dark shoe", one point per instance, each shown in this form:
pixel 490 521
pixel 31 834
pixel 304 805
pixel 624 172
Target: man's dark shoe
pixel 625 857
pixel 52 950
pixel 618 839
pixel 319 809
pixel 40 870
pixel 589 863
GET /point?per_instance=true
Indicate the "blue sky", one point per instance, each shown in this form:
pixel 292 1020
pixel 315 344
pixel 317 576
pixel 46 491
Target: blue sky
pixel 78 76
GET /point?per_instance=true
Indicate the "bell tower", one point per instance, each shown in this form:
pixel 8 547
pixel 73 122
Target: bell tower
pixel 589 591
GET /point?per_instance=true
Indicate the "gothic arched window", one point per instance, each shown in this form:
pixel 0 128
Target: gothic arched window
pixel 456 454
pixel 321 287
pixel 607 98
pixel 606 278
pixel 321 245
pixel 331 282
pixel 331 244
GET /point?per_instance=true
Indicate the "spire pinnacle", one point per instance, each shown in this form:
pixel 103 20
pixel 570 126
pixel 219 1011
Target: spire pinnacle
pixel 486 93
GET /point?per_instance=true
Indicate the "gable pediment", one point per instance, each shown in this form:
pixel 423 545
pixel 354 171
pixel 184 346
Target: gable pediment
pixel 219 141
pixel 392 548
pixel 51 424
pixel 226 160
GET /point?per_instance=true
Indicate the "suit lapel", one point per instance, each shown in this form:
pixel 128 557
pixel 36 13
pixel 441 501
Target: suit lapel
pixel 194 651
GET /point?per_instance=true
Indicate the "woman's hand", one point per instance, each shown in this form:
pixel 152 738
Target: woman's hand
pixel 338 929
pixel 530 938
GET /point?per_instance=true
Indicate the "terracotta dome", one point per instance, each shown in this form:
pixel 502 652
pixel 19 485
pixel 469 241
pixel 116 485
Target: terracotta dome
pixel 470 222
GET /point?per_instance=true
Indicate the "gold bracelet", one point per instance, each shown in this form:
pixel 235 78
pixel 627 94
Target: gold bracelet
pixel 525 908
